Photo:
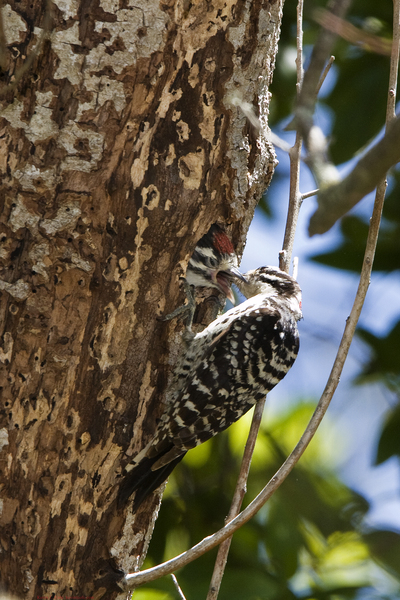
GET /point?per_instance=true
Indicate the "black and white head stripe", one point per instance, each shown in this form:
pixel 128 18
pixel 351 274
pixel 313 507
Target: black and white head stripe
pixel 214 262
pixel 271 281
pixel 213 251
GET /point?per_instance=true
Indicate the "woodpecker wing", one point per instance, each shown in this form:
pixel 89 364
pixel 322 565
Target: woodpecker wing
pixel 231 377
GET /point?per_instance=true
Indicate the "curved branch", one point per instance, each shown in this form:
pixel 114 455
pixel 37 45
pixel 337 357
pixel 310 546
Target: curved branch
pixel 133 580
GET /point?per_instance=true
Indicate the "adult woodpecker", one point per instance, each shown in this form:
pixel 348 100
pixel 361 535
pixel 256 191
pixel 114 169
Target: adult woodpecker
pixel 227 368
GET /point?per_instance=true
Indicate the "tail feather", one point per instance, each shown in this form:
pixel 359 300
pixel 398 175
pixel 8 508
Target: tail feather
pixel 143 480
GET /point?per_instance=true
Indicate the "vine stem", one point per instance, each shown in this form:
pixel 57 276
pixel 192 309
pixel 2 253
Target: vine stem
pixel 295 197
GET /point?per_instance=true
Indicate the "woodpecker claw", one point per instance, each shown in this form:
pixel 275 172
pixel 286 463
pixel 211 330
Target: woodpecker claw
pixel 186 309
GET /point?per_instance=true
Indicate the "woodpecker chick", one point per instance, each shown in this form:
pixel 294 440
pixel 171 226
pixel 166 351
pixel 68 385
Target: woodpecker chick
pixel 228 367
pixel 214 263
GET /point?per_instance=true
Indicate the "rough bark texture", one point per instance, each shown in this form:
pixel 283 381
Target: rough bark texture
pixel 118 150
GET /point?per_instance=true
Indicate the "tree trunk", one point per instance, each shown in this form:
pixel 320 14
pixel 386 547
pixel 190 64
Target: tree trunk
pixel 119 149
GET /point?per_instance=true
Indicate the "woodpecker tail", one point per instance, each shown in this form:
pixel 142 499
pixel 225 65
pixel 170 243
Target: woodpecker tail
pixel 142 480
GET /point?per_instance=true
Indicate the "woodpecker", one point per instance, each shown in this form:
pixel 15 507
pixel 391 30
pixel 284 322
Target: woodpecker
pixel 212 264
pixel 228 367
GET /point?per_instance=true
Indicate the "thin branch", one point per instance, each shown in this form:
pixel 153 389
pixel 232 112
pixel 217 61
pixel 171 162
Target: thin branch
pixel 294 158
pixel 352 34
pixel 279 142
pixel 237 500
pixel 178 588
pixel 394 65
pixel 309 194
pixel 133 580
pixel 299 46
pixel 325 73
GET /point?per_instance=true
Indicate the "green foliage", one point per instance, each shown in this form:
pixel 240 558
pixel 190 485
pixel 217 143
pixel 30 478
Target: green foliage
pixel 389 443
pixel 363 76
pixel 385 362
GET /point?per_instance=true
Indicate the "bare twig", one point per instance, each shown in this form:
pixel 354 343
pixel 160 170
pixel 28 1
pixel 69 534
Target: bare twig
pixel 279 142
pixel 394 65
pixel 178 588
pixel 237 500
pixel 309 194
pixel 294 158
pixel 325 73
pixel 354 35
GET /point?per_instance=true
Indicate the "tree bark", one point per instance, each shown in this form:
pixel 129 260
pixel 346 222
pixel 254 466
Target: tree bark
pixel 119 149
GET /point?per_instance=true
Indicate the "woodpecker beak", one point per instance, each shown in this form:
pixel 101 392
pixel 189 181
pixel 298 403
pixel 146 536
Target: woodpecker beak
pixel 234 272
pixel 223 281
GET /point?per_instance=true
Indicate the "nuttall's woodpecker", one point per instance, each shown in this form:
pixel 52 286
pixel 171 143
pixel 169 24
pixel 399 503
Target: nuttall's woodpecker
pixel 227 368
pixel 212 264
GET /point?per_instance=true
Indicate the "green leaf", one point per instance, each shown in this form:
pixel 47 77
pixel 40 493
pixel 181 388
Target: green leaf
pixel 385 546
pixel 363 76
pixel 389 441
pixel 385 361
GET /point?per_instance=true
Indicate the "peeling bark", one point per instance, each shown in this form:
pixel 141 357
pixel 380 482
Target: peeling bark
pixel 118 150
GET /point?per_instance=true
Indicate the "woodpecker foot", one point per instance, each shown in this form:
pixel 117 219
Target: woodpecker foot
pixel 186 309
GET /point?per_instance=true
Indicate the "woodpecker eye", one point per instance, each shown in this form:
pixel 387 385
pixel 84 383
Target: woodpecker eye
pixel 212 262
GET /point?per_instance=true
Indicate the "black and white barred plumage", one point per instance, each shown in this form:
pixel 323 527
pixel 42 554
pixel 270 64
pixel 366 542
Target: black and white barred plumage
pixel 228 367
